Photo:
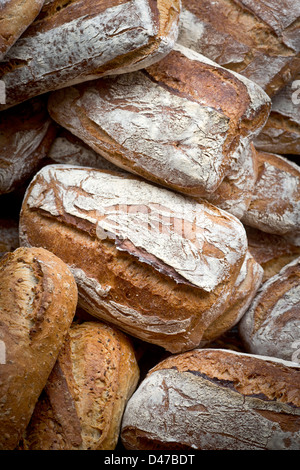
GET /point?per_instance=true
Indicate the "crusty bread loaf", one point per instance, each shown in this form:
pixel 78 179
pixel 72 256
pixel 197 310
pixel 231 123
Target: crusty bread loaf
pixel 38 297
pixel 272 252
pixel 235 193
pixel 244 291
pixel 209 399
pixel 79 40
pixel 153 262
pixel 271 326
pixel 26 134
pixel 69 149
pixel 176 123
pixel 257 38
pixel 275 205
pixel 82 404
pixel 281 134
pixel 15 17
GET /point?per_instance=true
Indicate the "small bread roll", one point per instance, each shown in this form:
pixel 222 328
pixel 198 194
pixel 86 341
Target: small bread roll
pixel 83 401
pixel 38 298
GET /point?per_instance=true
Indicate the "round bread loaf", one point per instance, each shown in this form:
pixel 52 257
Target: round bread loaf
pixel 38 298
pixel 271 326
pixel 213 399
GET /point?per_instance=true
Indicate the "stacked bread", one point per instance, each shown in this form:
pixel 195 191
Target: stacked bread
pixel 149 270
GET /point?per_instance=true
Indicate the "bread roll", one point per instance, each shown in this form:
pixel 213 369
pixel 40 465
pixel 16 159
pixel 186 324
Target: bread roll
pixel 79 40
pixel 37 305
pixel 82 404
pixel 275 205
pixel 271 326
pixel 281 134
pixel 154 263
pixel 257 38
pixel 15 17
pixel 26 134
pixel 272 252
pixel 177 123
pixel 209 399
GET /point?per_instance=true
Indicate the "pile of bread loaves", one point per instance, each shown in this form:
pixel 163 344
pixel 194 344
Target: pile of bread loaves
pixel 149 224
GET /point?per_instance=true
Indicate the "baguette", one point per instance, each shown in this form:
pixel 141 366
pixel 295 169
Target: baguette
pixel 210 399
pixel 80 40
pixel 37 305
pixel 176 123
pixel 156 264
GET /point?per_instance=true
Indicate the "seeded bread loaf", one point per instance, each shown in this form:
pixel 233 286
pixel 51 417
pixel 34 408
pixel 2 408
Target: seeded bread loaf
pixel 176 123
pixel 82 404
pixel 210 399
pixel 79 40
pixel 271 326
pixel 38 298
pixel 154 263
pixel 257 38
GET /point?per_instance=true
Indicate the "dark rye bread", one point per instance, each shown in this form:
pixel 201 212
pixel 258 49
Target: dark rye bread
pixel 78 40
pixel 212 399
pixel 82 404
pixel 15 17
pixel 156 264
pixel 176 123
pixel 38 298
pixel 257 38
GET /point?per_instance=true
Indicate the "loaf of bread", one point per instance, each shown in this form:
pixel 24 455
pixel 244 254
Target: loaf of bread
pixel 15 17
pixel 271 251
pixel 235 193
pixel 281 134
pixel 79 40
pixel 175 123
pixel 210 399
pixel 275 205
pixel 82 404
pixel 37 305
pixel 153 262
pixel 271 326
pixel 69 149
pixel 244 291
pixel 26 134
pixel 257 38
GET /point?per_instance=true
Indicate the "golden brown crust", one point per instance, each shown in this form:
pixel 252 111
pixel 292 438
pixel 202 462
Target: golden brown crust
pixel 84 399
pixel 36 309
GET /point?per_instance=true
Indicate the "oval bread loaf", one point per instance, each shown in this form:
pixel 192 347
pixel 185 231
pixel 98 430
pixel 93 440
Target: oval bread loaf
pixel 82 404
pixel 176 123
pixel 210 399
pixel 38 298
pixel 257 38
pixel 79 40
pixel 155 263
pixel 271 326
